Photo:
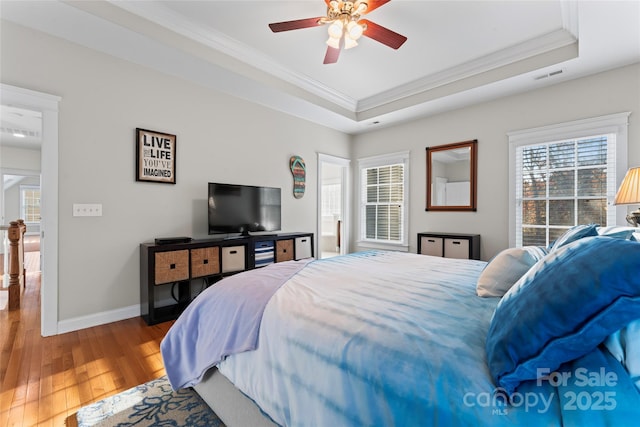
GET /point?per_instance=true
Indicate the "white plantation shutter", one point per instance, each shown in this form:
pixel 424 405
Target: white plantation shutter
pixel 561 182
pixel 383 185
pixel 384 202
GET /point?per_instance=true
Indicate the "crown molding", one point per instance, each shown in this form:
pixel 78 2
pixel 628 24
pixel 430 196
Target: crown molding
pixel 569 13
pixel 214 39
pixel 161 15
pixel 505 57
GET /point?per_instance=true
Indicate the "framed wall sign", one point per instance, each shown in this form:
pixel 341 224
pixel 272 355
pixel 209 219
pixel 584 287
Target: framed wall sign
pixel 155 156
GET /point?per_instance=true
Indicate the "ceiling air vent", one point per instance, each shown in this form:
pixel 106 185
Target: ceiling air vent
pixel 545 76
pixel 25 132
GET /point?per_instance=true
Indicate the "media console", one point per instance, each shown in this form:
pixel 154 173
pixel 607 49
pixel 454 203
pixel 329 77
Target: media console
pixel 170 272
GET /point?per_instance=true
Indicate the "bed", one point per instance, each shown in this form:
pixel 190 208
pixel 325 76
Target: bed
pixel 383 338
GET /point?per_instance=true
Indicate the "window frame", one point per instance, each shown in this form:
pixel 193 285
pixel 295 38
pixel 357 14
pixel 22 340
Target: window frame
pixel 23 213
pixel 616 124
pixel 376 162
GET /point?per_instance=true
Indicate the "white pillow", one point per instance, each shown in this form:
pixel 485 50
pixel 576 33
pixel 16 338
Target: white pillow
pixel 617 231
pixel 624 345
pixel 504 270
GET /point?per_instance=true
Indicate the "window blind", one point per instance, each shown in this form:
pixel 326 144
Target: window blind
pixel 384 201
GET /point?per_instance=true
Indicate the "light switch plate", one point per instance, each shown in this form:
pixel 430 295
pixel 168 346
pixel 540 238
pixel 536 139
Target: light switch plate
pixel 84 209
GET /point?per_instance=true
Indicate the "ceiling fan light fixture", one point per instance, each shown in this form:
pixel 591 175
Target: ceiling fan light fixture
pixel 362 7
pixel 335 29
pixel 349 43
pixel 333 42
pixel 354 30
pixel 343 20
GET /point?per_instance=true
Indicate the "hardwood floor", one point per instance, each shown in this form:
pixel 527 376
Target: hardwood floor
pixel 44 381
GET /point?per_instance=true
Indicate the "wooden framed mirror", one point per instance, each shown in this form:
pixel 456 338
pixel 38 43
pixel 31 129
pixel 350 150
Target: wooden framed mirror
pixel 451 176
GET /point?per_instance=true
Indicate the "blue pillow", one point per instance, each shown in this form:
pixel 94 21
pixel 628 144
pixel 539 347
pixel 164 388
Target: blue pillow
pixel 574 233
pixel 563 307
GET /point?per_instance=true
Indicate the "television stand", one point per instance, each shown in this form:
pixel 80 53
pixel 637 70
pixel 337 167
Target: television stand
pixel 249 235
pixel 183 267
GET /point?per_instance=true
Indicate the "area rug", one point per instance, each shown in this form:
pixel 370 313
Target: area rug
pixel 150 404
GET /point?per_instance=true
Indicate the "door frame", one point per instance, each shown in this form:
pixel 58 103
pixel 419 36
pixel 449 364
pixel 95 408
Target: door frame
pixel 48 105
pixel 345 235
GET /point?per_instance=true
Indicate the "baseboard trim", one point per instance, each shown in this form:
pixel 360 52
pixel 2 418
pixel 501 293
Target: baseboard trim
pixel 91 320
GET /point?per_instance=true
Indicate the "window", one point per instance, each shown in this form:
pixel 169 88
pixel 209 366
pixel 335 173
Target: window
pixel 30 203
pixel 383 197
pixel 565 175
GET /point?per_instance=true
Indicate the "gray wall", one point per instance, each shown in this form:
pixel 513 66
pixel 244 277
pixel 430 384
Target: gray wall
pixel 605 93
pixel 219 138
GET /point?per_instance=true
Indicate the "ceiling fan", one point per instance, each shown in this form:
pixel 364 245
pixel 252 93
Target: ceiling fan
pixel 345 26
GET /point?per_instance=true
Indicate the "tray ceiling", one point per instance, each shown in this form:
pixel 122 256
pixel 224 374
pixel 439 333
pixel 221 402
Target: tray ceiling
pixel 457 53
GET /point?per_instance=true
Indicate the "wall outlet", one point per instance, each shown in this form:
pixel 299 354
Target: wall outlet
pixel 83 209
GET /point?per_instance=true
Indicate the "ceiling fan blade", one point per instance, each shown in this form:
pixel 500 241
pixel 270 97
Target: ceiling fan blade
pixel 374 4
pixel 276 27
pixel 331 57
pixel 382 34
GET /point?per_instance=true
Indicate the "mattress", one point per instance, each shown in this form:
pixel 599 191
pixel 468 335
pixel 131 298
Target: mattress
pixel 385 338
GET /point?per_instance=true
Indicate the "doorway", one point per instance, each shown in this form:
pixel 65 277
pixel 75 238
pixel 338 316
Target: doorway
pixel 20 142
pixel 20 198
pixel 333 203
pixel 45 112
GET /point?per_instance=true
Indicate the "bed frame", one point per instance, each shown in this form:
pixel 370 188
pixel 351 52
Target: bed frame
pixel 233 407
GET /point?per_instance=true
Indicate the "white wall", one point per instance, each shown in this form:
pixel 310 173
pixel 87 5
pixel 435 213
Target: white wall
pixel 219 138
pixel 605 93
pixel 20 158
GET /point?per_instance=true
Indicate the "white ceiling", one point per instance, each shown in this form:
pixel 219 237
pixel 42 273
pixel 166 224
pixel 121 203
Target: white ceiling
pixel 457 53
pixel 20 128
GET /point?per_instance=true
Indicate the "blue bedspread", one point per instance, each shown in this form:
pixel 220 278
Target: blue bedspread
pixel 396 339
pixel 223 320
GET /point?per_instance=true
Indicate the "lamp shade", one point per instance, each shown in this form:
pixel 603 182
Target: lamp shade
pixel 335 29
pixel 629 191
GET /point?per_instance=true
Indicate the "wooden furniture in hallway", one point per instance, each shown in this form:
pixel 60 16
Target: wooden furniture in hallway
pixel 17 275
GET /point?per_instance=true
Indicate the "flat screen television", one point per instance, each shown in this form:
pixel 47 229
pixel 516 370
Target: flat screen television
pixel 243 208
